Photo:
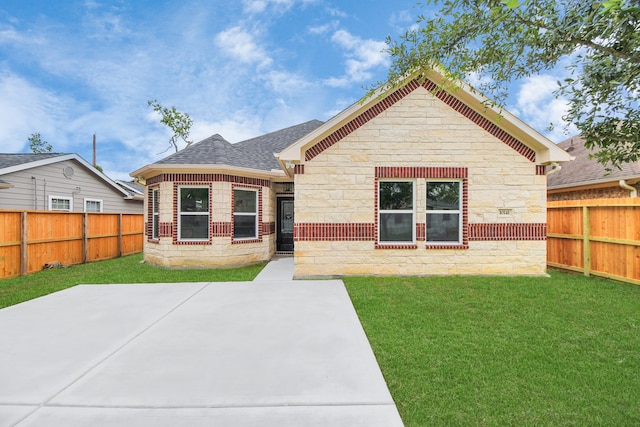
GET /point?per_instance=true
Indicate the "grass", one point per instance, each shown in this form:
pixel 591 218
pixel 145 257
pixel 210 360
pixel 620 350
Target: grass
pixel 127 269
pixel 456 350
pixel 505 350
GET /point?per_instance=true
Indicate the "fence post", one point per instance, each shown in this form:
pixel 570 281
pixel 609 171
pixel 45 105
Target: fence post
pixel 85 237
pixel 586 241
pixel 24 261
pixel 120 234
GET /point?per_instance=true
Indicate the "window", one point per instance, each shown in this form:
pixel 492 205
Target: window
pixel 57 203
pixel 396 216
pixel 245 214
pixel 155 201
pixel 444 213
pixel 194 213
pixel 92 205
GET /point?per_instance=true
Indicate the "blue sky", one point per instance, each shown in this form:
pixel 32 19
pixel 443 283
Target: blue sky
pixel 69 69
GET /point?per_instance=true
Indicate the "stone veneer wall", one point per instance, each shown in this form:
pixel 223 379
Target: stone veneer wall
pixel 416 136
pixel 221 250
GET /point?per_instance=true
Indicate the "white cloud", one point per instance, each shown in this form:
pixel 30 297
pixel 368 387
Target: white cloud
pixel 280 6
pixel 323 29
pixel 241 45
pixel 538 107
pixel 26 109
pixel 362 57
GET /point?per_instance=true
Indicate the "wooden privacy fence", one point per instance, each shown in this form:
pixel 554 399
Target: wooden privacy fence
pixel 31 239
pixel 599 237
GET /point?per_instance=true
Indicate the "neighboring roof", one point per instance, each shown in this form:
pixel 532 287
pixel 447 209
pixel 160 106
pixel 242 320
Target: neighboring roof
pixel 255 154
pixel 16 159
pixel 546 152
pixel 131 186
pixel 5 184
pixel 15 162
pixel 584 170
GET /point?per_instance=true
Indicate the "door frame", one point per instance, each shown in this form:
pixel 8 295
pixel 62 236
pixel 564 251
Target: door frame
pixel 279 200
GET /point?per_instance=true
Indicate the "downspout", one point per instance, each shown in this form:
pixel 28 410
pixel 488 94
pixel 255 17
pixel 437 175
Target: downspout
pixel 555 167
pixel 35 192
pixel 633 191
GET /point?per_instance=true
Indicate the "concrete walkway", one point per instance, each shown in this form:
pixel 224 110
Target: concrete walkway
pixel 273 352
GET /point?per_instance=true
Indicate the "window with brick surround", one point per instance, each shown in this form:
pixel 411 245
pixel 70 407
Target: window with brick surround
pixel 396 215
pixel 193 218
pixel 245 214
pixel 444 212
pixel 155 200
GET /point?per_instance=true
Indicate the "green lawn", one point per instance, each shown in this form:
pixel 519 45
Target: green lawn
pixel 127 269
pixel 462 351
pixel 505 351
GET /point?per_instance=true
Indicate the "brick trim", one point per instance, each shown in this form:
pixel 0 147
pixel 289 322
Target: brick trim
pixel 176 214
pixel 221 229
pixel 259 227
pixel 366 232
pixel 165 229
pixel 425 172
pixel 520 231
pixel 200 178
pixel 298 170
pixel 445 97
pixel 268 228
pixel 335 232
pixel 541 170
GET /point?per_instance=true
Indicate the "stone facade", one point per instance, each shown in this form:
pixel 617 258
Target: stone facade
pixel 419 138
pixel 220 249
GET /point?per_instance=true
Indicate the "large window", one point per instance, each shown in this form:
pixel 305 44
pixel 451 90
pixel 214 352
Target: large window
pixel 444 214
pixel 245 214
pixel 396 221
pixel 155 196
pixel 58 203
pixel 194 213
pixel 92 205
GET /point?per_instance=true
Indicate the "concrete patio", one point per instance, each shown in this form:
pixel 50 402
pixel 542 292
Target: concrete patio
pixel 273 352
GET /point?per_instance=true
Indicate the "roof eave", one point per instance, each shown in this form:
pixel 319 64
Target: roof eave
pixel 156 169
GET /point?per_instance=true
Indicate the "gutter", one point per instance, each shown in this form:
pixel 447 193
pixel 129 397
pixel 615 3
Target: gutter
pixel 633 192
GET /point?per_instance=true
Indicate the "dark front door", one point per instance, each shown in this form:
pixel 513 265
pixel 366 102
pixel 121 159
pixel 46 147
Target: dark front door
pixel 284 232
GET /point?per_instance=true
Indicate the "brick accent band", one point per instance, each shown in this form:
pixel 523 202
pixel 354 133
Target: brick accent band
pixel 324 232
pixel 420 172
pixel 366 232
pixel 221 229
pixel 541 170
pixel 445 97
pixel 200 178
pixel 165 229
pixel 298 169
pixel 492 232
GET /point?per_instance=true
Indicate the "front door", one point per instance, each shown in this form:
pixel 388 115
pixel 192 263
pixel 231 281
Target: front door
pixel 284 226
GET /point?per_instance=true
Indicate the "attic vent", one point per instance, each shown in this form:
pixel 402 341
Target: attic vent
pixel 68 171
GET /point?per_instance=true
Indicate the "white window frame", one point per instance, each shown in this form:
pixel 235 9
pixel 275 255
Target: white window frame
pixel 155 219
pixel 180 214
pixel 443 211
pixel 53 197
pixel 253 214
pixel 399 211
pixel 93 200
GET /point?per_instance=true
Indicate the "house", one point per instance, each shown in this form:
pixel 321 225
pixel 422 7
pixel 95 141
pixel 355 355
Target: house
pixel 62 182
pixel 413 181
pixel 585 178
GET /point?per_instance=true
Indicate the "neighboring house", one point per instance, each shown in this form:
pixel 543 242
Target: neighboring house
pixel 405 183
pixel 585 178
pixel 61 182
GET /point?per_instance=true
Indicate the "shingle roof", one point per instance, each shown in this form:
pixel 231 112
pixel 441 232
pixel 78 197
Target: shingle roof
pixel 255 153
pixel 13 159
pixel 583 170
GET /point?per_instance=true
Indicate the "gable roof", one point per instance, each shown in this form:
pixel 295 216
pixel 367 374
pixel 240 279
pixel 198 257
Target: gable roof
pixel 15 162
pixel 500 123
pixel 252 155
pixel 585 171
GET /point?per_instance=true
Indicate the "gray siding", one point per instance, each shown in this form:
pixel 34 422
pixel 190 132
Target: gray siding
pixel 33 187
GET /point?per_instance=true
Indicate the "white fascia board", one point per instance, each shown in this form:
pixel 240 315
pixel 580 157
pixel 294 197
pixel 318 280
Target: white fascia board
pixel 155 169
